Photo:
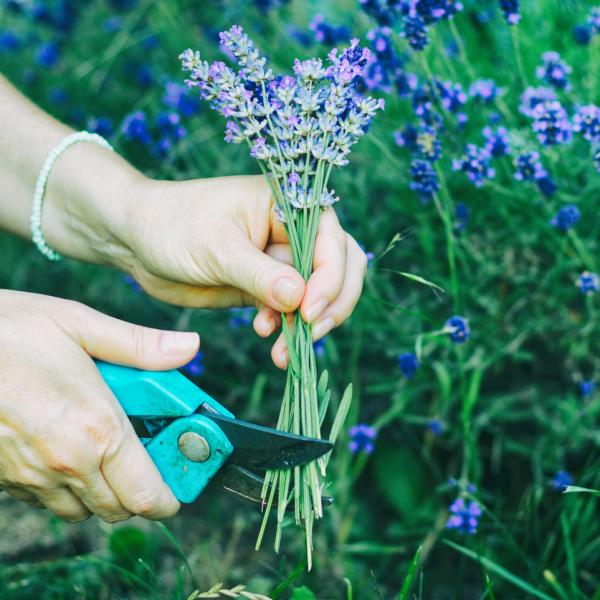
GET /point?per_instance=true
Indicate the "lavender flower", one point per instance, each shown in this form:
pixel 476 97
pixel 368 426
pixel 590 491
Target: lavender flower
pixel 497 142
pixel 452 96
pixel 319 347
pixel 532 97
pixel 415 31
pixel 362 438
pixel 195 367
pixel 462 215
pixel 385 71
pixel 48 54
pixel 409 364
pixel 594 19
pixel 554 71
pixel 9 41
pixel 551 123
pixel 582 34
pixel 588 283
pixel 424 179
pixel 587 122
pixel 324 33
pixel 458 329
pixel 135 127
pixel 101 125
pixel 561 480
pixel 510 9
pixel 464 517
pixel 475 164
pixel 436 427
pixel 586 388
pixel 529 168
pixel 241 317
pixel 178 98
pixel 484 90
pixel 384 12
pixel 436 10
pixel 566 218
pixel 596 159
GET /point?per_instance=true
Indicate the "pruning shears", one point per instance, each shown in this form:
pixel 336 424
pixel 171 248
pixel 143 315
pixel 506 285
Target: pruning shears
pixel 194 440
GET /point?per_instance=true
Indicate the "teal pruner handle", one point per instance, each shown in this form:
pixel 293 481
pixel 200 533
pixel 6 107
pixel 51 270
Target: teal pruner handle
pixel 155 395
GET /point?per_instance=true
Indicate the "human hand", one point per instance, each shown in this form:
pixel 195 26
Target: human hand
pixel 65 442
pixel 216 243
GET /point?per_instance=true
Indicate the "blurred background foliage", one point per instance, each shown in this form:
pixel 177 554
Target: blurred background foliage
pixel 502 420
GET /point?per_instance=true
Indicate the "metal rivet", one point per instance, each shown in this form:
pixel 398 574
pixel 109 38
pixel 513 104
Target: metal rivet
pixel 194 446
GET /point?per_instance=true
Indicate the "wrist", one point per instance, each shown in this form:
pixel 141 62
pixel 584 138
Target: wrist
pixel 89 205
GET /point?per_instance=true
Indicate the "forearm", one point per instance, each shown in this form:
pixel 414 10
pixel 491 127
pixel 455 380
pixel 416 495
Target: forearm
pixel 86 211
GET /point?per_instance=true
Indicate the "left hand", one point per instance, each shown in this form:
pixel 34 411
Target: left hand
pixel 217 243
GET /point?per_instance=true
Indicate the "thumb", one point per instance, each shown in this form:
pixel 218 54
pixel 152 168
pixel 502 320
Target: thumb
pixel 269 281
pixel 116 341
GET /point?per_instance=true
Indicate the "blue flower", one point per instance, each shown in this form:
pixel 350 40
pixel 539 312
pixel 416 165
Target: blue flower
pixel 383 11
pixel 587 122
pixel 241 317
pixel 458 329
pixel 566 218
pixel 452 96
pixel 531 97
pixel 582 34
pixel 135 127
pixel 588 283
pixel 319 347
pixel 47 54
pixel 475 164
pixel 462 214
pixel 409 364
pixel 58 95
pixel 195 367
pixel 327 34
pixel 529 168
pixel 594 19
pixel 424 179
pixel 586 388
pixel 484 90
pixel 178 98
pixel 464 517
pixel 510 9
pixel 362 438
pixel 415 31
pixel 9 41
pixel 561 480
pixel 436 427
pixel 554 71
pixel 101 125
pixel 551 123
pixel 497 141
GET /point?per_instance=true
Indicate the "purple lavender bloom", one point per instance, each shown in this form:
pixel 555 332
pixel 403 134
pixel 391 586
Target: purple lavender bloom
pixel 475 164
pixel 451 95
pixel 436 427
pixel 551 123
pixel 566 218
pixel 532 97
pixel 423 141
pixel 415 31
pixel 424 179
pixel 587 122
pixel 462 215
pixel 101 125
pixel 135 127
pixel 319 347
pixel 588 283
pixel 9 41
pixel 407 138
pixel 143 75
pixel 409 364
pixel 510 9
pixel 586 388
pixel 241 317
pixel 464 517
pixel 529 168
pixel 195 368
pixel 327 34
pixel 484 90
pixel 385 71
pixel 458 329
pixel 384 12
pixel 594 19
pixel 554 71
pixel 362 438
pixel 170 130
pixel 497 141
pixel 422 103
pixel 561 480
pixel 47 54
pixel 58 95
pixel 582 34
pixel 178 98
pixel 596 159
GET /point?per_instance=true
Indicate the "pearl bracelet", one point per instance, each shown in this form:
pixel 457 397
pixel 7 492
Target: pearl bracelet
pixel 40 187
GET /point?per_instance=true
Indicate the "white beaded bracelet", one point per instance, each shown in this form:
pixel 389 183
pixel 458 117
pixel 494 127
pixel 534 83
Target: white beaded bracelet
pixel 40 187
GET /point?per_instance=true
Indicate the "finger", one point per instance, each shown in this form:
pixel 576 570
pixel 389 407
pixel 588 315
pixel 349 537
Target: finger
pixel 279 352
pixel 23 496
pixel 280 252
pixel 329 266
pixel 119 342
pixel 344 304
pixel 135 480
pixel 64 504
pixel 266 321
pixel 94 491
pixel 269 281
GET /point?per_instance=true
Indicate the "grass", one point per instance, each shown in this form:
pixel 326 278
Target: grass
pixel 508 398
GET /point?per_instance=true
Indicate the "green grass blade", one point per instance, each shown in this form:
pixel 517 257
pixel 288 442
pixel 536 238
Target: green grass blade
pixel 488 586
pixel 574 489
pixel 410 576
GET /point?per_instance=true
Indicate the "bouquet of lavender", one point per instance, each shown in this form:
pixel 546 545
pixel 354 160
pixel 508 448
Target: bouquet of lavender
pixel 298 128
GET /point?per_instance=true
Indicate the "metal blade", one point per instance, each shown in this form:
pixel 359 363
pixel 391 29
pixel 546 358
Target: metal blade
pixel 262 448
pixel 241 482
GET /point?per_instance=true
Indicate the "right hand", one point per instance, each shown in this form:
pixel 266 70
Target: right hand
pixel 65 442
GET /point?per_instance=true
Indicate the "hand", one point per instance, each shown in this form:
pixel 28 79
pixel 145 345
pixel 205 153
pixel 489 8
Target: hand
pixel 65 442
pixel 216 243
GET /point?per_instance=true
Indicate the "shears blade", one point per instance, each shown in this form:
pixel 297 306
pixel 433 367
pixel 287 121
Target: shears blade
pixel 258 447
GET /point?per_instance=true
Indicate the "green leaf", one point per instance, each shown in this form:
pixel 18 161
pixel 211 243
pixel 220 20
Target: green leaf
pixel 410 576
pixel 499 570
pixel 302 593
pixel 416 278
pixel 574 489
pixel 341 414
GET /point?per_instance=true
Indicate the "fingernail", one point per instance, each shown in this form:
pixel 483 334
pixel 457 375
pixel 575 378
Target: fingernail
pixel 284 358
pixel 176 343
pixel 316 310
pixel 264 325
pixel 286 290
pixel 322 328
